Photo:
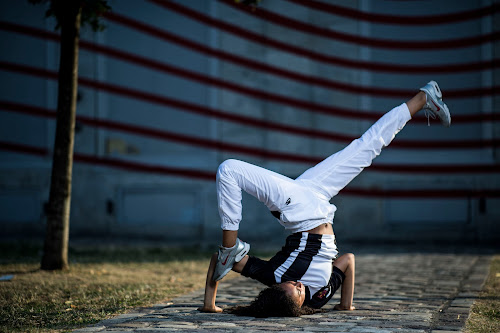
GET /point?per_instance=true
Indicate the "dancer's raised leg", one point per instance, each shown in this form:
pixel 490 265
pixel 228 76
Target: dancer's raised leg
pixel 334 173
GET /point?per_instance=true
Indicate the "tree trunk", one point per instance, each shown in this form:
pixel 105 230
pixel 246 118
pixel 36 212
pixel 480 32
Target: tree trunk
pixel 55 255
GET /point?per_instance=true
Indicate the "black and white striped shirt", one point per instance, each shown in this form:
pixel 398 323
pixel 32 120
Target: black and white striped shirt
pixel 306 258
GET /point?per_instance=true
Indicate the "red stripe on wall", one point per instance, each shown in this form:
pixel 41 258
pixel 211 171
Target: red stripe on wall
pixel 399 20
pixel 142 61
pixel 164 67
pixel 423 194
pixel 429 45
pixel 217 145
pixel 464 93
pixel 269 42
pixel 210 176
pixel 111 162
pixel 198 109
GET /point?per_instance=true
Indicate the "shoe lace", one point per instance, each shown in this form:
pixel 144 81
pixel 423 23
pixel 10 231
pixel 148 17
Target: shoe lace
pixel 429 114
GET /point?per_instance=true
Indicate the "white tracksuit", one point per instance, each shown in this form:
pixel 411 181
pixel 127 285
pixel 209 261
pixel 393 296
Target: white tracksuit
pixel 303 203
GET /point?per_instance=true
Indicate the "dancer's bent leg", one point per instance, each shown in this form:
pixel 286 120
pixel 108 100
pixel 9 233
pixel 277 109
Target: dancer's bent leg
pixel 233 176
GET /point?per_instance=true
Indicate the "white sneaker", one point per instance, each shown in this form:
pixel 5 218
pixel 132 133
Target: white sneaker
pixel 435 106
pixel 227 257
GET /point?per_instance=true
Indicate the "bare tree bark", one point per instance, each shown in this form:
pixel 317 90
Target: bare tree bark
pixel 55 255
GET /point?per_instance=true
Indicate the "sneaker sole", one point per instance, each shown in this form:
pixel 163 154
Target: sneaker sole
pixel 242 254
pixel 447 122
pixel 436 86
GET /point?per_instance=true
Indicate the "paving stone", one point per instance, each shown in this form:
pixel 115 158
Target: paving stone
pixel 369 330
pixel 395 292
pixel 179 324
pixel 90 329
pixel 133 324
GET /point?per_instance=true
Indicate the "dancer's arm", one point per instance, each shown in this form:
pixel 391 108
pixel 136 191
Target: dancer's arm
pixel 210 289
pixel 346 263
pixel 211 285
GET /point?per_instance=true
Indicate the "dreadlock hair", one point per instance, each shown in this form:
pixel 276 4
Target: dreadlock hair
pixel 272 302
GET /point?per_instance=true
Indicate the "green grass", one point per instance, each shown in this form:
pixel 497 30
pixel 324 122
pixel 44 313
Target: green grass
pixel 485 313
pixel 99 284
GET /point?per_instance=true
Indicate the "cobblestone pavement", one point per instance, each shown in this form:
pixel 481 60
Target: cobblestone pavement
pixel 394 293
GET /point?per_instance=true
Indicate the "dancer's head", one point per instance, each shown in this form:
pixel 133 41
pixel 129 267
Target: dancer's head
pixel 276 301
pixel 295 290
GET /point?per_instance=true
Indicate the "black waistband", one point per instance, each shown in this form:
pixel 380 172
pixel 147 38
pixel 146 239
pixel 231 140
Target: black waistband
pixel 276 214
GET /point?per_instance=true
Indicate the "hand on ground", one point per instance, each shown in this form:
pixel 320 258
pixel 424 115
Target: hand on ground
pixel 339 307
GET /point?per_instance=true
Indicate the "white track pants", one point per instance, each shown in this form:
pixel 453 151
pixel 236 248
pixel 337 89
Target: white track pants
pixel 304 202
